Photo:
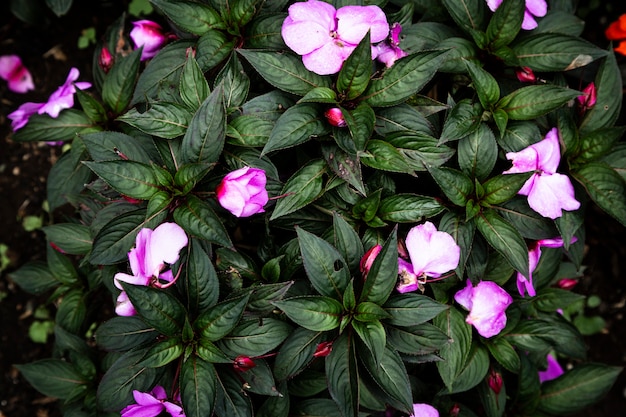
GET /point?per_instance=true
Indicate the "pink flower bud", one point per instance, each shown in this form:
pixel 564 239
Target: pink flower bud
pixel 525 75
pixel 494 379
pixel 335 117
pixel 56 247
pixel 243 363
pixel 323 349
pixel 15 73
pixel 242 192
pixel 455 410
pixel 588 99
pixel 105 60
pixel 567 283
pixel 368 259
pixel 150 35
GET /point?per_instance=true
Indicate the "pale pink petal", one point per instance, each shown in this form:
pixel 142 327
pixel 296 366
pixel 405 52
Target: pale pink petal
pixel 149 35
pixel 464 296
pixel 537 8
pixel 424 410
pixel 164 246
pixel 554 370
pixel 525 160
pixel 232 197
pixel 529 22
pixel 329 58
pixel 304 37
pixel 494 4
pixel 551 194
pixel 489 302
pixel 353 22
pixel 8 65
pixel 526 284
pixel 528 185
pixel 130 279
pixel 432 252
pixel 123 306
pixel 556 242
pixel 137 256
pixel 549 152
pixel 314 10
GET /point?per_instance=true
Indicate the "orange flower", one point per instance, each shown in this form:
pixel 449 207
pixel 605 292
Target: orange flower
pixel 617 32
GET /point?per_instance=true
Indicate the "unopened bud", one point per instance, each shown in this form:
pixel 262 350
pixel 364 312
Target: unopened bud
pixel 323 349
pixel 243 363
pixel 525 75
pixel 56 247
pixel 455 410
pixel 335 117
pixel 105 60
pixel 494 379
pixel 368 259
pixel 588 99
pixel 567 283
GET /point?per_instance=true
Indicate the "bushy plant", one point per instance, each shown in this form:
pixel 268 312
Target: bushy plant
pixel 342 208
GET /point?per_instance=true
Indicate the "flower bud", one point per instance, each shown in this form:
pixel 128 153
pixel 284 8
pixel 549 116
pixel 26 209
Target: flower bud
pixel 567 283
pixel 105 60
pixel 588 99
pixel 455 410
pixel 494 379
pixel 335 117
pixel 525 75
pixel 56 247
pixel 323 349
pixel 368 259
pixel 242 192
pixel 243 363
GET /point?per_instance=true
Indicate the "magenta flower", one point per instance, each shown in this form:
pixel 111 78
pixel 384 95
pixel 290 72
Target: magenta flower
pixel 151 404
pixel 20 117
pixel 15 73
pixel 388 52
pixel 242 192
pixel 150 35
pixel 554 370
pixel 63 98
pixel 335 117
pixel 153 249
pixel 486 303
pixel 325 36
pixel 548 193
pixel 432 253
pixel 424 410
pixel 534 8
pixel 526 284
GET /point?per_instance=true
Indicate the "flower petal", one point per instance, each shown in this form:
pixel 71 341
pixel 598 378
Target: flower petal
pixel 164 246
pixel 432 252
pixel 123 306
pixel 424 410
pixel 489 302
pixel 554 370
pixel 304 37
pixel 353 22
pixel 329 58
pixel 551 194
pixel 537 8
pixel 464 296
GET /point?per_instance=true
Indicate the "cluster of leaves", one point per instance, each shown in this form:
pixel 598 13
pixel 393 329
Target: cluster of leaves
pixel 424 139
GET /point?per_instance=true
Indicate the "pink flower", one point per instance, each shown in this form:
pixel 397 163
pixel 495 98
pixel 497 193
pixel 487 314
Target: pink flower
pixel 242 192
pixel 432 253
pixel 526 284
pixel 388 52
pixel 63 98
pixel 15 73
pixel 325 37
pixel 335 117
pixel 105 60
pixel 486 303
pixel 588 99
pixel 548 193
pixel 152 404
pixel 534 8
pixel 20 117
pixel 368 259
pixel 150 35
pixel 424 410
pixel 554 370
pixel 153 249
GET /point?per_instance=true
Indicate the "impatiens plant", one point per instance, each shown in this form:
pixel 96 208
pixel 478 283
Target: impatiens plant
pixel 336 208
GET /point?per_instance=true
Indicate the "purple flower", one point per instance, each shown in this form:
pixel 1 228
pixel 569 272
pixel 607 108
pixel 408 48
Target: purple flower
pixel 63 98
pixel 150 35
pixel 388 52
pixel 424 410
pixel 548 193
pixel 151 404
pixel 153 249
pixel 325 37
pixel 20 117
pixel 486 303
pixel 242 192
pixel 15 73
pixel 432 253
pixel 534 8
pixel 526 284
pixel 554 370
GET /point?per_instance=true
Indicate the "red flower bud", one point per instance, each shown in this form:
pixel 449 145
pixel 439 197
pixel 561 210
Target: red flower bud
pixel 56 247
pixel 567 283
pixel 455 410
pixel 105 60
pixel 323 349
pixel 494 379
pixel 368 259
pixel 525 75
pixel 243 363
pixel 335 117
pixel 588 99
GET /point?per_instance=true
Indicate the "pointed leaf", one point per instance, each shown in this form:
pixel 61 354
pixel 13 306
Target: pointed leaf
pixel 343 376
pixel 204 139
pixel 304 186
pixel 217 322
pixel 119 83
pixel 356 71
pixel 605 187
pixel 316 313
pixel 295 126
pixel 199 220
pixel 157 308
pixel 197 387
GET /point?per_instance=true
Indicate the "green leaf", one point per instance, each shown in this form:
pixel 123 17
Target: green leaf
pixel 197 387
pixel 608 104
pixel 72 238
pixel 34 278
pixel 304 186
pixel 505 239
pixel 41 127
pixel 356 71
pixel 72 310
pixel 108 146
pixel 372 334
pixel 120 334
pixel 157 308
pixel 577 389
pixel 383 274
pixel 235 82
pixel 605 187
pixel 52 377
pixel 163 352
pixel 463 119
pixel 119 83
pixel 66 180
pixel 552 299
pixel 460 51
pixel 199 220
pixel 249 130
pixel 505 24
pixel 368 312
pixel 264 32
pixel 276 406
pixel 231 400
pixel 59 7
pixel 533 101
pixel 295 126
pixel 367 207
pixel 210 353
pixel 485 84
pixel 470 15
pixel 285 71
pixel 385 157
pixel 316 313
pixel 555 52
pixel 222 318
pixel 343 375
pixel 408 208
pixel 360 122
pixel 402 118
pixel 194 88
pixel 129 178
pixel 164 120
pixel 454 184
pixel 478 153
pixel 198 281
pixel 324 265
pixel 502 188
pixel 596 144
pixel 411 309
pixel 505 354
pixel 92 107
pixel 420 339
pixel 191 17
pixel 455 354
pixel 295 353
pixel 255 337
pixel 212 48
pixel 317 407
pixel 260 379
pixel 405 78
pixel 204 139
pixel 420 150
pixel 475 370
pixel 347 241
pixel 320 95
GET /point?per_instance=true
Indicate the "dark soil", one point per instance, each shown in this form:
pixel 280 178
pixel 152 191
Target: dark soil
pixel 49 51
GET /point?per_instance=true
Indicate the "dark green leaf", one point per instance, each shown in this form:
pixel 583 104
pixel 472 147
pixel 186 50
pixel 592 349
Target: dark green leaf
pixel 454 184
pixel 199 282
pixel 53 377
pixel 197 386
pixel 235 82
pixel 41 127
pixel 231 400
pixel 119 82
pixel 420 150
pixel 295 126
pixel 212 48
pixel 129 178
pixel 484 83
pixel 316 313
pixel 304 186
pixel 383 274
pixel 66 180
pixel 255 337
pixel 295 353
pixel 164 120
pixel 356 71
pixel 505 354
pixel 72 310
pixel 199 220
pixel 454 354
pixel 505 23
pixel 194 88
pixel 463 119
pixel 411 309
pixel 163 352
pixel 204 139
pixel 264 32
pixel 347 241
pixel 108 146
pixel 343 376
pixel 408 208
pixel 605 187
pixel 476 367
pixel 421 339
pixel 502 188
pixel 195 18
pixel 533 101
pixel 157 308
pixel 34 278
pixel 72 238
pixel 470 15
pixel 598 143
pixel 385 157
pixel 120 334
pixel 217 322
pixel 608 104
pixel 478 153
